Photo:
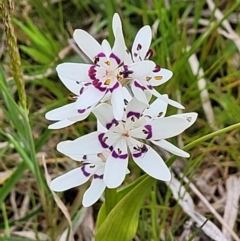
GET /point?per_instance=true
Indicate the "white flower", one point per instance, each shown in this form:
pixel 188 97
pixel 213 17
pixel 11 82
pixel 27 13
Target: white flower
pixel 108 73
pixel 92 167
pixel 67 115
pixel 141 52
pixel 123 136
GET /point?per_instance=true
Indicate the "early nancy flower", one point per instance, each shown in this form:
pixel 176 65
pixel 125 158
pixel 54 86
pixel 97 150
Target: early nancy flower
pixel 123 136
pixel 92 82
pixel 92 168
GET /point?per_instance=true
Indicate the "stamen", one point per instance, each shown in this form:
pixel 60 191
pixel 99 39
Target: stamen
pixel 107 82
pixel 96 60
pixel 107 63
pixel 145 132
pixel 119 151
pixel 72 97
pixel 160 114
pixel 157 69
pixel 148 78
pixel 158 78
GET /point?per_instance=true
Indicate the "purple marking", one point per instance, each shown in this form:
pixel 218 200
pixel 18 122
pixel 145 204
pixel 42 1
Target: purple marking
pixel 126 72
pixel 85 173
pixel 157 69
pixel 149 129
pixel 135 54
pixel 114 87
pixel 80 111
pixel 84 157
pixel 101 55
pixel 109 125
pixel 110 148
pixel 139 86
pixel 116 155
pixel 87 84
pixel 98 85
pixel 150 87
pixel 139 47
pixel 112 55
pixel 149 54
pixel 132 113
pixel 137 154
pixel 100 138
pixel 81 90
pixel 98 176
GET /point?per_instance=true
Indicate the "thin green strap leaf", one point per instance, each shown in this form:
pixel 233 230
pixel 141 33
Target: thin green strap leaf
pixel 122 221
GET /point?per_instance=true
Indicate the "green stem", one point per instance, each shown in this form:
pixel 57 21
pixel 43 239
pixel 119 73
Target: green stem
pixel 6 6
pixel 110 199
pixel 204 138
pixel 5 218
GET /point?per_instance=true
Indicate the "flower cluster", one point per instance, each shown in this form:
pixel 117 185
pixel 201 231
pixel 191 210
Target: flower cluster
pixel 117 88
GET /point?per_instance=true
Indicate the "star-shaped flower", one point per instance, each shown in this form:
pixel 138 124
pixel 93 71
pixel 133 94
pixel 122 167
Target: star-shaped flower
pixel 92 168
pixel 141 52
pixel 122 137
pixel 107 75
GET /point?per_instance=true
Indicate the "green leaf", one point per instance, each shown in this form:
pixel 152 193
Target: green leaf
pixel 122 221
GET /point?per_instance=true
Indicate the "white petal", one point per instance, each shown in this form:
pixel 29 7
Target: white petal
pixel 62 112
pixel 169 101
pixel 94 192
pixel 118 102
pixel 87 43
pixel 161 77
pixel 149 161
pixel 106 47
pixel 69 180
pixel 118 50
pixel 104 114
pixel 161 128
pixel 157 109
pixel 72 74
pixel 135 107
pixel 116 165
pixel 100 127
pixel 116 24
pixel 139 91
pixel 171 148
pixel 88 144
pixel 141 69
pixel 141 43
pixel 191 117
pixel 61 124
pixel 90 96
pixel 126 95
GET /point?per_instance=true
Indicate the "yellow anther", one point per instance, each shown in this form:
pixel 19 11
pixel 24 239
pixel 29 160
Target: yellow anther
pixel 119 76
pixel 107 82
pixel 148 78
pixel 158 77
pixel 108 63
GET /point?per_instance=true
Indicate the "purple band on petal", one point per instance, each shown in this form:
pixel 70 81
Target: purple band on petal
pixel 139 86
pixel 96 176
pixel 132 113
pixel 116 155
pixel 137 154
pixel 84 157
pixel 103 143
pixel 98 85
pixel 112 55
pixel 114 87
pixel 110 148
pixel 125 72
pixel 149 129
pixel 109 125
pixel 85 173
pixel 101 55
pixel 81 111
